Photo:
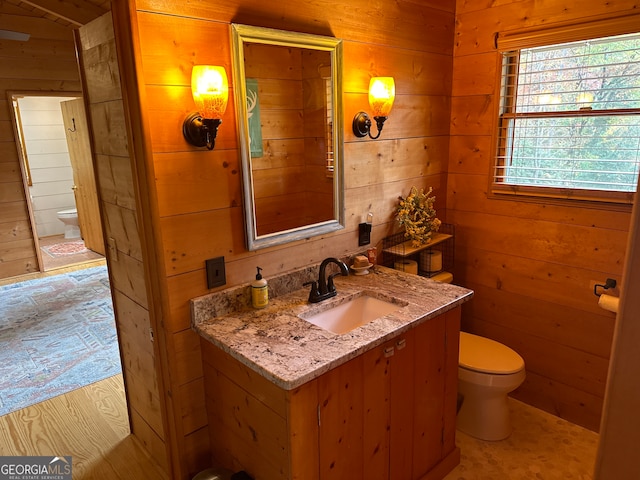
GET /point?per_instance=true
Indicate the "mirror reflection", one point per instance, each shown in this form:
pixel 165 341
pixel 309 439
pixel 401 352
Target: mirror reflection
pixel 287 98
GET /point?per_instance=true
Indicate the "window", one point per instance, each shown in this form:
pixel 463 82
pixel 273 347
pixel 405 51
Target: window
pixel 569 121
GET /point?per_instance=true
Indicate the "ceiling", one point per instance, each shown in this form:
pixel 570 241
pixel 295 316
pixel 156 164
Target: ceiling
pixel 66 13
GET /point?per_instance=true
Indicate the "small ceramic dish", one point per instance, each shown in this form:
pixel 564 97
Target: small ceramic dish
pixel 361 270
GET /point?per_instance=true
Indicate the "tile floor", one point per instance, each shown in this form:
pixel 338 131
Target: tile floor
pixel 542 446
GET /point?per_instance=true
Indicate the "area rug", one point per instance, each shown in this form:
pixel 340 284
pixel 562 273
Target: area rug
pixel 65 248
pixel 57 334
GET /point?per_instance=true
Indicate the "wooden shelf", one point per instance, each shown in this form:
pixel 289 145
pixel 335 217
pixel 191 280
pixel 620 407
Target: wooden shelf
pixel 405 249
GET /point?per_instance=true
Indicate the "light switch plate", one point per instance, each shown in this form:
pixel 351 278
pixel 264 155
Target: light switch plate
pixel 364 234
pixel 215 272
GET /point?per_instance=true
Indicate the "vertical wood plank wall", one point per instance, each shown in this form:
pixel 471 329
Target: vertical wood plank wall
pixel 44 63
pixel 118 203
pixel 199 209
pixel 532 264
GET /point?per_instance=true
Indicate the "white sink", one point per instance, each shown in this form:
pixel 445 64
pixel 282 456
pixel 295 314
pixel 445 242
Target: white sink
pixel 351 314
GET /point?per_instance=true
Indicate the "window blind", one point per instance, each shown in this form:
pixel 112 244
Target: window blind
pixel 570 116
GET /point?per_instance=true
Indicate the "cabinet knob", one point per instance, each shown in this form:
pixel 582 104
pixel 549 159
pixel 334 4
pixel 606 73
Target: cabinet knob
pixel 401 343
pixel 388 352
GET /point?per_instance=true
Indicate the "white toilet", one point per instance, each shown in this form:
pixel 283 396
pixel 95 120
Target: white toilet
pixel 487 372
pixel 70 220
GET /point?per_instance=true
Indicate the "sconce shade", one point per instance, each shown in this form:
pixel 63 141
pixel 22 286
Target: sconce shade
pixel 210 90
pixel 382 93
pixel 585 100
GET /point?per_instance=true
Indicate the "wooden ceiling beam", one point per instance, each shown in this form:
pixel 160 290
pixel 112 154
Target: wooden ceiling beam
pixel 78 12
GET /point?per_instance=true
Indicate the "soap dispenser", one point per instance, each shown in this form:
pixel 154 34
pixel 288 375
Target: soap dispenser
pixel 259 291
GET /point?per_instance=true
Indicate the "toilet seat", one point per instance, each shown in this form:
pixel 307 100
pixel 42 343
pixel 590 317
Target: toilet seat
pixel 68 213
pixel 480 354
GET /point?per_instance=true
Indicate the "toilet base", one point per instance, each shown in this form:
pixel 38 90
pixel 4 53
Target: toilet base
pixel 71 231
pixel 485 417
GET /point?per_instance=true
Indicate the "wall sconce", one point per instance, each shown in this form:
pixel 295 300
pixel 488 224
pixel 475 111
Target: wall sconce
pixel 585 101
pixel 382 92
pixel 210 90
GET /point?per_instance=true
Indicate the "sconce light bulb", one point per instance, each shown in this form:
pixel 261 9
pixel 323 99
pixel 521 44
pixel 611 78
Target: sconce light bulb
pixel 382 93
pixel 210 90
pixel 585 100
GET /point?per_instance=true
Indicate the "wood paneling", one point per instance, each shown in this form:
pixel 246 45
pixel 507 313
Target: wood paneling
pixel 45 62
pixel 199 196
pixel 532 264
pixel 364 21
pixel 126 258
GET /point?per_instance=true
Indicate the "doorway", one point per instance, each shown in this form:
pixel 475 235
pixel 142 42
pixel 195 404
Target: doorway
pixel 57 169
pixel 55 157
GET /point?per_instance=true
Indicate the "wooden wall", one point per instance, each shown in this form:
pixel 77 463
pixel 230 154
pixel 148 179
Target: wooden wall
pixel 532 265
pixel 46 62
pixel 197 209
pixel 126 256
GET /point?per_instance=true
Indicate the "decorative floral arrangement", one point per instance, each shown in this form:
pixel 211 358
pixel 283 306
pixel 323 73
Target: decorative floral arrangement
pixel 417 215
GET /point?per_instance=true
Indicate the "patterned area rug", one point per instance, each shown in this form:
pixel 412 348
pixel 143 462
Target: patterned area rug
pixel 57 334
pixel 65 248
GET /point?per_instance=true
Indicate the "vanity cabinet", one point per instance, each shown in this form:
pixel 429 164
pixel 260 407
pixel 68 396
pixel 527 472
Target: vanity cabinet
pixel 388 413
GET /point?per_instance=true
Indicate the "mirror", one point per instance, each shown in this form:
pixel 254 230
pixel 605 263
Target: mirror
pixel 288 96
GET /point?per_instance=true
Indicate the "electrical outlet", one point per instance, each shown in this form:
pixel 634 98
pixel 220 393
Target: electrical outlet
pixel 215 272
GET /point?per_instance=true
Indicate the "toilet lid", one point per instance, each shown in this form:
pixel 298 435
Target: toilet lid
pixel 71 211
pixel 488 356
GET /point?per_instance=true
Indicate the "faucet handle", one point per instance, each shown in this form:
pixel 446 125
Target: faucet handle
pixel 314 293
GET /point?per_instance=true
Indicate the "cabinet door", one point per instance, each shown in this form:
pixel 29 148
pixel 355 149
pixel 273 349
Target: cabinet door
pixel 451 380
pixel 430 388
pixel 358 428
pixel 390 413
pixel 377 420
pixel 340 393
pixel 402 407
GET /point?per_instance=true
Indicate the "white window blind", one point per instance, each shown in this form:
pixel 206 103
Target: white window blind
pixel 570 119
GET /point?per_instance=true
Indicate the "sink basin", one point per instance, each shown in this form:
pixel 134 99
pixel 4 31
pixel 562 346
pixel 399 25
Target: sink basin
pixel 351 314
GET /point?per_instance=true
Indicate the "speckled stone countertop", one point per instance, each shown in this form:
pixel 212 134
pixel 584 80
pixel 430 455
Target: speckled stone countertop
pixel 290 351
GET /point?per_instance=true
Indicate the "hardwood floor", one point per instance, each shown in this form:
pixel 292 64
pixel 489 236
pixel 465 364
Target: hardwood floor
pixel 90 424
pixel 50 273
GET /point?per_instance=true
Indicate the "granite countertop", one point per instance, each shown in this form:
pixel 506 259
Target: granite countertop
pixel 290 351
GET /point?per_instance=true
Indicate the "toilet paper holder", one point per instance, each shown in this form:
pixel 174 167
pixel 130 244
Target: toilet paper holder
pixel 609 283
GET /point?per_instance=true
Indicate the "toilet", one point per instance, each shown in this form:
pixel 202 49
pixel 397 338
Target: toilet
pixel 70 220
pixel 487 372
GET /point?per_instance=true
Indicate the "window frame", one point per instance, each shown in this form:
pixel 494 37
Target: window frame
pixel 514 41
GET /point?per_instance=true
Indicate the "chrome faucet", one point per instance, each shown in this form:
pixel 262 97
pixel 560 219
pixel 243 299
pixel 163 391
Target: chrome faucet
pixel 324 287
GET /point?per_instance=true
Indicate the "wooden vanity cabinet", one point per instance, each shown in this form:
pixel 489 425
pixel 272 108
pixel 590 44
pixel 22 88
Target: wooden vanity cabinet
pixel 387 414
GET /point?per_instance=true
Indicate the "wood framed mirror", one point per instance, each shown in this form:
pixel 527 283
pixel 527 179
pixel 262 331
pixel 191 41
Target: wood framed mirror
pixel 288 96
